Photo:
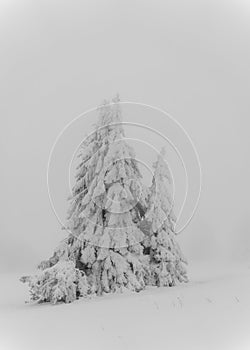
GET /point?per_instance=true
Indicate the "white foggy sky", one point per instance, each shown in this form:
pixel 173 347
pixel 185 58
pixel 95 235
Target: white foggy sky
pixel 59 59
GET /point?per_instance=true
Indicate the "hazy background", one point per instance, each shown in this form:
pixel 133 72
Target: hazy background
pixel 61 58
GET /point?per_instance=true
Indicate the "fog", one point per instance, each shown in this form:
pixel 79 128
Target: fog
pixel 59 59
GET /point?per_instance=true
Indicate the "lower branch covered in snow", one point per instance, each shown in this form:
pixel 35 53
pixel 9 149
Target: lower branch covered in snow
pixel 59 283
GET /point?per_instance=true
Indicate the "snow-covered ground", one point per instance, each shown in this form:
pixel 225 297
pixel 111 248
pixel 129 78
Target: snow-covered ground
pixel 212 311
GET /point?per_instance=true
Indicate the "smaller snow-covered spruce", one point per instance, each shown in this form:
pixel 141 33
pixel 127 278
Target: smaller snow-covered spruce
pixel 166 258
pixel 121 232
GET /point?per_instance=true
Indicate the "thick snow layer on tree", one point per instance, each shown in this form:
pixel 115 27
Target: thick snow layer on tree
pixel 212 311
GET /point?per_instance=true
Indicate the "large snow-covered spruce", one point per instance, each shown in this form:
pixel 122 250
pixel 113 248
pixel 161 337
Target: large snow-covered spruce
pixel 166 258
pixel 103 216
pixel 119 238
pixel 107 202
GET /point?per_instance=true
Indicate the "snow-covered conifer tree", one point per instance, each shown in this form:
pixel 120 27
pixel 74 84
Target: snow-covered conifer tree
pixel 166 258
pixel 107 202
pixel 111 252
